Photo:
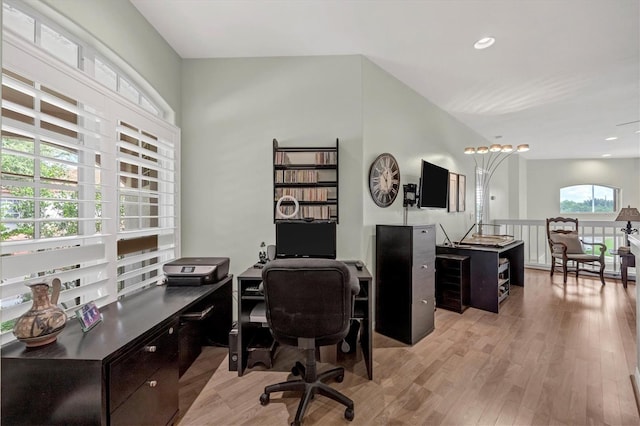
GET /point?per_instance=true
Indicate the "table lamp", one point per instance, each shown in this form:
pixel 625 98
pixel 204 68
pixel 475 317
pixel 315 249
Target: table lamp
pixel 628 214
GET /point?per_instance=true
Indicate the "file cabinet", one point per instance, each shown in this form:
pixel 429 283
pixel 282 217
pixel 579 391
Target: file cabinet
pixel 405 281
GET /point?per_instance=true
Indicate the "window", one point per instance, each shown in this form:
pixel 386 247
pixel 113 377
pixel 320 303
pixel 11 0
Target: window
pixel 588 199
pixel 18 18
pixel 88 186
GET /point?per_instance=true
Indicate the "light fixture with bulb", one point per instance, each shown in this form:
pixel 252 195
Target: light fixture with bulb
pixel 485 170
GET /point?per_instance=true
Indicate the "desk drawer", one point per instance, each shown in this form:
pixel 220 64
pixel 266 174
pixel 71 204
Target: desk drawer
pixel 155 402
pixel 136 367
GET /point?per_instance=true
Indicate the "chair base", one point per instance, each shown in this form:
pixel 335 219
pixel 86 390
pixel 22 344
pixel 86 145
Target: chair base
pixel 309 389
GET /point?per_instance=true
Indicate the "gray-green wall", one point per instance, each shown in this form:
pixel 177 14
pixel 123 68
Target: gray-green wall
pixel 232 110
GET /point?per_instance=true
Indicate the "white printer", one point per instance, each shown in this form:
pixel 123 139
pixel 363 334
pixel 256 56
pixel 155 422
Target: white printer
pixel 196 270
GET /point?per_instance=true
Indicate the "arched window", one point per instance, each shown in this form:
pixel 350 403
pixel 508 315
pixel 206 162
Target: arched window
pixel 588 199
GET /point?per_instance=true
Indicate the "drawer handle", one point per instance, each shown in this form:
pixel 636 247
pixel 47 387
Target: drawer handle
pixel 150 348
pixel 424 231
pixel 170 330
pixel 425 267
pixel 424 301
pixel 152 383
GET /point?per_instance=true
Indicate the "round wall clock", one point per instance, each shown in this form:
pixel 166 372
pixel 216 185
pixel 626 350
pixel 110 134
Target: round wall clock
pixel 384 180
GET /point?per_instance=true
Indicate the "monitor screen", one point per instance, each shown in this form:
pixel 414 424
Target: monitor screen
pixel 306 239
pixel 434 186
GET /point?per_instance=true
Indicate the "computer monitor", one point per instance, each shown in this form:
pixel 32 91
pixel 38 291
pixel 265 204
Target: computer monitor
pixel 306 239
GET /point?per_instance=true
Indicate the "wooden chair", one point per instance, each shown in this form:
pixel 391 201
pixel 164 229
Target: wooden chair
pixel 566 246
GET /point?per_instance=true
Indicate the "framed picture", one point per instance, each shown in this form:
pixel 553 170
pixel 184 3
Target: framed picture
pixel 462 191
pixel 89 315
pixel 453 192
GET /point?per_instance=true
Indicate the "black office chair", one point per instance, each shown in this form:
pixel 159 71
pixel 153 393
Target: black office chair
pixel 309 303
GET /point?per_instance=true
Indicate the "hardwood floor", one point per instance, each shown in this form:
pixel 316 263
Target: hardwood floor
pixel 555 354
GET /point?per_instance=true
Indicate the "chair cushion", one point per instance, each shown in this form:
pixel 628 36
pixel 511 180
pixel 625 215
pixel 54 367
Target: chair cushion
pixel 571 240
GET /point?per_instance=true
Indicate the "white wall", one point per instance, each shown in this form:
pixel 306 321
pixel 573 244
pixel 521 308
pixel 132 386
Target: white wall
pixel 399 121
pixel 232 110
pixel 546 177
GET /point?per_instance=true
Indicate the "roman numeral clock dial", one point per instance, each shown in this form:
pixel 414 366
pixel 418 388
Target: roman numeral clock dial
pixel 384 180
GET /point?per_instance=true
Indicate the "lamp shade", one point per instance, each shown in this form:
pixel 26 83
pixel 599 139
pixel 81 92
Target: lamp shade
pixel 628 214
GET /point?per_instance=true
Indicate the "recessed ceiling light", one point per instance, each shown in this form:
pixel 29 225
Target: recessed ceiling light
pixel 612 138
pixel 485 42
pixel 606 155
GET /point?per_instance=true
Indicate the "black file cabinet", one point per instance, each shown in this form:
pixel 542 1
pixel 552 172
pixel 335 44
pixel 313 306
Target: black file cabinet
pixel 405 281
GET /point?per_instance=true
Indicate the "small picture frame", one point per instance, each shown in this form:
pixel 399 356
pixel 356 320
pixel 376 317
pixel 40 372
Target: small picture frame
pixel 453 192
pixel 89 315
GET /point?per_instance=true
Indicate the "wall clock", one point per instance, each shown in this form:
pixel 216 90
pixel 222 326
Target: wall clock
pixel 384 180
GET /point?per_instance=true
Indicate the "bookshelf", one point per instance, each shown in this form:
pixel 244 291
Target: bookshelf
pixel 306 177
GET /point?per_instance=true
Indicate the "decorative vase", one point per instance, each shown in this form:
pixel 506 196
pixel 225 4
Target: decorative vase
pixel 41 324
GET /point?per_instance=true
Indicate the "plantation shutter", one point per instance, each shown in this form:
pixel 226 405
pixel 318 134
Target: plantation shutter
pixel 88 186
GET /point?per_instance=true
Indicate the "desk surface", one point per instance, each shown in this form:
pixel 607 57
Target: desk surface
pixel 364 274
pixel 497 249
pixel 122 322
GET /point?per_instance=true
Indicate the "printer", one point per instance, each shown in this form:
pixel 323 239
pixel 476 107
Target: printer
pixel 196 270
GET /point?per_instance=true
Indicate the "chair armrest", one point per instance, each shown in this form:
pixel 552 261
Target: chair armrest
pixel 603 247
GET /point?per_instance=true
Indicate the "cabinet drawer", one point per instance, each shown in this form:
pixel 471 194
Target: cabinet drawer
pixel 424 248
pixel 155 402
pixel 422 318
pixel 134 368
pixel 423 284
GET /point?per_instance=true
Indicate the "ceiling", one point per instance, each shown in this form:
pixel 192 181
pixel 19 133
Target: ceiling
pixel 562 76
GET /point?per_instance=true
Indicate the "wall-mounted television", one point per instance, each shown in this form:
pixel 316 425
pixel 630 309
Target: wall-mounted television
pixel 434 186
pixel 306 239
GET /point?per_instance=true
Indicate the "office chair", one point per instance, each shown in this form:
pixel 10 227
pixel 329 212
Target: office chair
pixel 309 303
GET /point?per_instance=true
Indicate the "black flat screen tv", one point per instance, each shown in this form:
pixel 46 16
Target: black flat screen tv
pixel 434 186
pixel 306 239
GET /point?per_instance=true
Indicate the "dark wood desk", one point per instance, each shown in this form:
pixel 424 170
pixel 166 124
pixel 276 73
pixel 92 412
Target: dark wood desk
pixel 246 328
pixel 123 371
pixel 484 270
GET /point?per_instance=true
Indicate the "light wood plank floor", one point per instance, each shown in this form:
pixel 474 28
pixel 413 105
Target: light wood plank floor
pixel 555 354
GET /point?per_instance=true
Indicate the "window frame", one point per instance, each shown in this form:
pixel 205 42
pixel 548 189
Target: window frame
pixel 97 250
pixel 594 187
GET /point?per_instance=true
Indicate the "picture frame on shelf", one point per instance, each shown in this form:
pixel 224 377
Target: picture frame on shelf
pixel 453 192
pixel 462 191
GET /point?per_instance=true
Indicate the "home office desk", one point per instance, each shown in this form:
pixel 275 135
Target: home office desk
pixel 363 311
pixel 484 270
pixel 124 371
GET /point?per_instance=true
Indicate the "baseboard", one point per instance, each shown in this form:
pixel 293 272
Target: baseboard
pixel 635 380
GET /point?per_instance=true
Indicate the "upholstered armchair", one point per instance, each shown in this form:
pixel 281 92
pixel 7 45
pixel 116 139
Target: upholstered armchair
pixel 567 248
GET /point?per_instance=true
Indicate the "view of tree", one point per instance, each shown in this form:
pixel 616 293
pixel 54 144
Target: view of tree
pixel 587 206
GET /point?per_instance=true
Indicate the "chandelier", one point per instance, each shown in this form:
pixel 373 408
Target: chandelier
pixel 485 168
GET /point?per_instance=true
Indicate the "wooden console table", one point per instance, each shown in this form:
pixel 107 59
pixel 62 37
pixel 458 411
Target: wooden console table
pixel 627 260
pixel 123 371
pixel 363 311
pixel 485 262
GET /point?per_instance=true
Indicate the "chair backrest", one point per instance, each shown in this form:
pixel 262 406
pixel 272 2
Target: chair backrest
pixel 308 298
pixel 567 233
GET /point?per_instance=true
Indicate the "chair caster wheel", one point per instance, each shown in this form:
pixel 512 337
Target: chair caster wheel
pixel 349 414
pixel 264 399
pixel 340 378
pixel 295 371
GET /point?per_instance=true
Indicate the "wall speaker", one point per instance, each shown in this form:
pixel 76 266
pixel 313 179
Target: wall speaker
pixel 233 348
pixel 271 252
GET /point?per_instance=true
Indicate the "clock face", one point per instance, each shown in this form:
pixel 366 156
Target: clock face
pixel 384 180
